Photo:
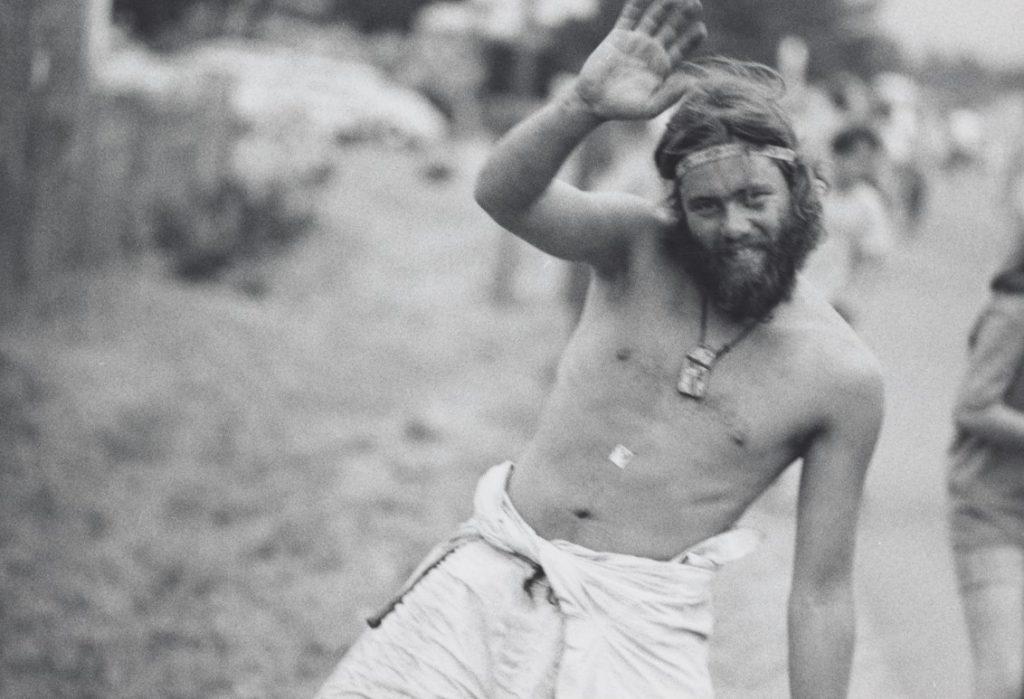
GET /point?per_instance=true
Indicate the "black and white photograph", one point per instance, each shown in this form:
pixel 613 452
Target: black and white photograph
pixel 512 349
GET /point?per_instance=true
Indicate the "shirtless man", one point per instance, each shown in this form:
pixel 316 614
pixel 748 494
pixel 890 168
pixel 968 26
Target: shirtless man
pixel 700 369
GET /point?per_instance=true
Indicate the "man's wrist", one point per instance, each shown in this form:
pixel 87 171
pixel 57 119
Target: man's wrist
pixel 574 107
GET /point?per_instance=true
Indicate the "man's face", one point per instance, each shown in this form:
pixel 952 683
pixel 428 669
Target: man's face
pixel 737 232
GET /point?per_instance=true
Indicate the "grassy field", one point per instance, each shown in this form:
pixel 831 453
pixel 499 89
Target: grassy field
pixel 203 495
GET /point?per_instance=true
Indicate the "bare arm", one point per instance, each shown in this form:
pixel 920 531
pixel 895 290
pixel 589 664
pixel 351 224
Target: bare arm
pixel 981 409
pixel 633 74
pixel 998 424
pixel 821 605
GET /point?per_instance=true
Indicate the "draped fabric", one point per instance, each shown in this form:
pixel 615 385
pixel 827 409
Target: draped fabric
pixel 477 619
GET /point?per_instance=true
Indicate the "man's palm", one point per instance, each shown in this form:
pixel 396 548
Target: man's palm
pixel 625 75
pixel 633 73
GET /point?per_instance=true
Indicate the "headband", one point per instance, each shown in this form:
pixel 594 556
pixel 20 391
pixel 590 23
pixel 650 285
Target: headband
pixel 729 150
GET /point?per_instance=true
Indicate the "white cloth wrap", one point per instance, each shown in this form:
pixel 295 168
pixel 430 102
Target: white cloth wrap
pixel 630 626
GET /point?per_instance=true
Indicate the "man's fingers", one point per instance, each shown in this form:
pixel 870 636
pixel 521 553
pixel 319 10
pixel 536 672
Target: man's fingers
pixel 674 23
pixel 682 16
pixel 686 44
pixel 671 91
pixel 632 13
pixel 655 16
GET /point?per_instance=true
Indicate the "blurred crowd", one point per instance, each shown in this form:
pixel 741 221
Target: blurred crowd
pixel 876 141
pixel 296 90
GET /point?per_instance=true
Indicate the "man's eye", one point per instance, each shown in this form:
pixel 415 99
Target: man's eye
pixel 704 207
pixel 757 198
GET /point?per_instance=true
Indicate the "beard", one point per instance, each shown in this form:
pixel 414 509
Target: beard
pixel 746 280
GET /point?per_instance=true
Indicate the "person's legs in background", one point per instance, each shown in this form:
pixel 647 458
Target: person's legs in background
pixel 992 590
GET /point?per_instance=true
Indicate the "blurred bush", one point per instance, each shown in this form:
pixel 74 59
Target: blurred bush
pixel 170 23
pixel 214 155
pixel 379 15
pixel 229 225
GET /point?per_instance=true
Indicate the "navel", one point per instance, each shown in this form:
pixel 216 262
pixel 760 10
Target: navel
pixel 623 354
pixel 581 513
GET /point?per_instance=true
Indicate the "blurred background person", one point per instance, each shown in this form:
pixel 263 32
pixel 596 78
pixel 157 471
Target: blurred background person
pixel 1013 192
pixel 898 122
pixel 986 487
pixel 858 234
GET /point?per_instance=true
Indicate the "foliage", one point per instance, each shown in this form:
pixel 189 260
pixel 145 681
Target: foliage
pixel 148 19
pixel 231 225
pixel 966 81
pixel 841 35
pixel 379 15
pixel 172 21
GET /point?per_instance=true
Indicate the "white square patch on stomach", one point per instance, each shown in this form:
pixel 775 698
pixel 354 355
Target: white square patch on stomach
pixel 621 456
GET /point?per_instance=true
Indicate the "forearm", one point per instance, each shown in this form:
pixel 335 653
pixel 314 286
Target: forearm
pixel 821 641
pixel 997 424
pixel 525 162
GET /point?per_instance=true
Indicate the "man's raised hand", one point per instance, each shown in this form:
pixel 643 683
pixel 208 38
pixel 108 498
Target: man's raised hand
pixel 634 72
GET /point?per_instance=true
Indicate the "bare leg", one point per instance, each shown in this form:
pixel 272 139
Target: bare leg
pixel 992 590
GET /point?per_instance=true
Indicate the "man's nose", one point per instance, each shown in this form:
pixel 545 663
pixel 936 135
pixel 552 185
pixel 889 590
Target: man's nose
pixel 738 221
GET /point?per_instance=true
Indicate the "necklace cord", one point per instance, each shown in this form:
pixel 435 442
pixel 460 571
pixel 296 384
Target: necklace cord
pixel 721 352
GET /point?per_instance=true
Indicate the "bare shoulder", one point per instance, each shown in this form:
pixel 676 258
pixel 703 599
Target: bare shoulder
pixel 843 374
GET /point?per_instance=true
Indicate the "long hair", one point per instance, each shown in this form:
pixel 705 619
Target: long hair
pixel 728 101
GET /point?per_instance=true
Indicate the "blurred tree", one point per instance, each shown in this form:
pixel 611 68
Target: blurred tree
pixel 960 80
pixel 379 15
pixel 15 208
pixel 170 22
pixel 841 34
pixel 149 19
pixel 46 48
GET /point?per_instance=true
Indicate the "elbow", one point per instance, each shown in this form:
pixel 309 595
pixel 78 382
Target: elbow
pixel 832 609
pixel 970 418
pixel 964 420
pixel 829 596
pixel 494 197
pixel 487 196
pixel 482 192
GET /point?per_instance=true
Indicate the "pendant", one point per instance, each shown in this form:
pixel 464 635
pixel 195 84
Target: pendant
pixel 693 381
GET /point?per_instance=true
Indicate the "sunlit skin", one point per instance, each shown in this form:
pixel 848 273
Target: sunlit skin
pixel 736 205
pixel 801 385
pixel 697 465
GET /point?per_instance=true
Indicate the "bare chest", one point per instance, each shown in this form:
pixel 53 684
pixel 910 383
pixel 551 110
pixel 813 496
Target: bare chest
pixel 621 447
pixel 747 385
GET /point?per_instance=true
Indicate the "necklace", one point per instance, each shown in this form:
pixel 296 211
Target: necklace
pixel 696 373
